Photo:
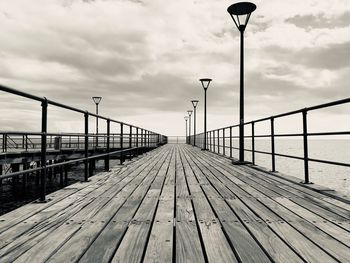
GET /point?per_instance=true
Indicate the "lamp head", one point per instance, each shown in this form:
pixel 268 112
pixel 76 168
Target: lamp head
pixel 97 100
pixel 186 118
pixel 205 83
pixel 194 103
pixel 240 13
pixel 189 112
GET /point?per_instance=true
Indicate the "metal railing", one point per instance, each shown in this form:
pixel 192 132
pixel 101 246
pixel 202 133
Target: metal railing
pixel 130 138
pixel 222 138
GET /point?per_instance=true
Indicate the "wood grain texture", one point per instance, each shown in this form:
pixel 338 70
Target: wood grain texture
pixel 180 204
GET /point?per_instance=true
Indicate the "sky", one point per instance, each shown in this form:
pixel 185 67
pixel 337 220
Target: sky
pixel 145 58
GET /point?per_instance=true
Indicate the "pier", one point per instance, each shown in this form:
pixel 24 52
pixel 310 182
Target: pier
pixel 178 203
pixel 150 147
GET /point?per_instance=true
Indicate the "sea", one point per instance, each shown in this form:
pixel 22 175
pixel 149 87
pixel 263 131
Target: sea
pixel 334 177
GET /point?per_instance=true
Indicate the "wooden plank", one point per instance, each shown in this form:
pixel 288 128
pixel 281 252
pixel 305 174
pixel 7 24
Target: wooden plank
pixel 188 245
pixel 160 244
pixel 60 217
pixel 282 229
pixel 87 230
pixel 247 249
pixel 216 245
pixel 11 219
pixel 103 248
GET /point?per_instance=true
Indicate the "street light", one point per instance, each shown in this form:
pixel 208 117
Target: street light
pixel 205 85
pixel 97 100
pixel 240 13
pixel 186 118
pixel 194 103
pixel 189 130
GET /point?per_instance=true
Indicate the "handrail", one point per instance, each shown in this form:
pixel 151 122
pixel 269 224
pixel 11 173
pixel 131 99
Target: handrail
pixel 144 138
pixel 216 138
pixel 54 103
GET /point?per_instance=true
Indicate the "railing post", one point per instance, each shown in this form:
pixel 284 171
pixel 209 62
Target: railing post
pixel 4 142
pixel 306 151
pixel 26 142
pixel 130 141
pixel 273 144
pixel 148 140
pixel 86 146
pixel 121 143
pixel 223 141
pixel 137 141
pixel 253 143
pixel 141 138
pixel 218 141
pixel 107 146
pixel 210 140
pixel 230 142
pixel 43 150
pixel 213 134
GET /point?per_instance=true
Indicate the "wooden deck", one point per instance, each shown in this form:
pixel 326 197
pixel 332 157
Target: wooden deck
pixel 178 203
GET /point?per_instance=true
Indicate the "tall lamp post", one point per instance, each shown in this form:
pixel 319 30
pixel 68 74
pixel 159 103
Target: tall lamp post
pixel 186 119
pixel 189 130
pixel 194 103
pixel 205 85
pixel 97 100
pixel 240 13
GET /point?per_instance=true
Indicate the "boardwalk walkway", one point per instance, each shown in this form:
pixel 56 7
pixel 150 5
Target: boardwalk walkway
pixel 178 203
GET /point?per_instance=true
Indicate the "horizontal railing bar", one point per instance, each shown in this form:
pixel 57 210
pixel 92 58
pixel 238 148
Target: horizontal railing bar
pixel 20 93
pixel 67 162
pixel 33 97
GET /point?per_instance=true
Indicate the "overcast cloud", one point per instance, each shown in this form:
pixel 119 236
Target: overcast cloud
pixel 145 58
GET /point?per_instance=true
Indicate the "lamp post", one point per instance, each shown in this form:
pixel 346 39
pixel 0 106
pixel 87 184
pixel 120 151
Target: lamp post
pixel 186 118
pixel 189 130
pixel 97 100
pixel 194 103
pixel 205 85
pixel 240 13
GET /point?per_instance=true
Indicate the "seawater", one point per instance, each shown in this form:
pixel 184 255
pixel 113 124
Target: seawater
pixel 331 176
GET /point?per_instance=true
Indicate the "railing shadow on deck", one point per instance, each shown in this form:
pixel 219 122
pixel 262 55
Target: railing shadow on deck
pixel 129 141
pixel 217 138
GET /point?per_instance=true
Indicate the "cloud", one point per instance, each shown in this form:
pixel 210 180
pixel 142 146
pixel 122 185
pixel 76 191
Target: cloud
pixel 145 58
pixel 320 20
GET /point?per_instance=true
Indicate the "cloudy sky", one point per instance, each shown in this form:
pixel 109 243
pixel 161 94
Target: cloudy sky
pixel 145 58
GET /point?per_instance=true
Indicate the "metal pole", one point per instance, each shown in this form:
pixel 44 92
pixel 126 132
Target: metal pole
pixel 86 149
pixel 43 149
pixel 130 141
pixel 223 141
pixel 137 137
pixel 121 143
pixel 241 102
pixel 230 142
pixel 213 135
pixel 194 127
pixel 190 129
pixel 108 147
pixel 205 120
pixel 186 132
pixel 210 141
pixel 96 125
pixel 273 145
pixel 253 143
pixel 306 152
pixel 218 141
